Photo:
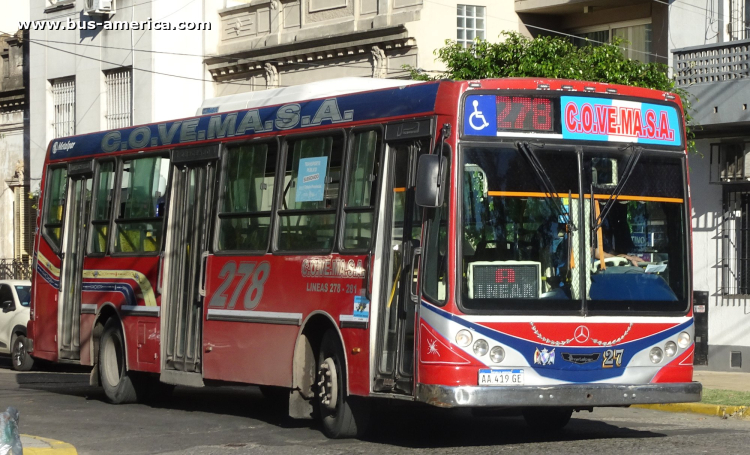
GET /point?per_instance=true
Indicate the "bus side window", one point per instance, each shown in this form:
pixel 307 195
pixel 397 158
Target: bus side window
pixel 103 198
pixel 310 193
pixel 57 181
pixel 361 193
pixel 247 196
pixel 139 224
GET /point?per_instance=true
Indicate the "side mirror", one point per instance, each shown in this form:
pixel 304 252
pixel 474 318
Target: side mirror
pixel 428 193
pixel 8 305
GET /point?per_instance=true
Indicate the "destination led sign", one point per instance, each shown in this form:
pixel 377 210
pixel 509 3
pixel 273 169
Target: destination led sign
pixel 601 119
pixel 572 117
pixel 486 115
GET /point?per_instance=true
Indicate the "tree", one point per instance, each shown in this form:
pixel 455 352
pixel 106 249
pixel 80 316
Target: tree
pixel 554 57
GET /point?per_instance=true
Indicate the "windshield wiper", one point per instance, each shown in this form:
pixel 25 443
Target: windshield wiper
pixel 629 168
pixel 544 181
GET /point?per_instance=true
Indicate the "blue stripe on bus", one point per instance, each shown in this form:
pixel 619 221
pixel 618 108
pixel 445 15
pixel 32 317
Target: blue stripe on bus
pixel 123 288
pixel 341 110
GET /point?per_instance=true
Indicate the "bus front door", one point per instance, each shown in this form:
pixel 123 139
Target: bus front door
pixel 402 232
pixel 187 246
pixel 72 252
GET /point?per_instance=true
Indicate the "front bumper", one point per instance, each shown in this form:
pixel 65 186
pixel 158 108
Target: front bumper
pixel 573 395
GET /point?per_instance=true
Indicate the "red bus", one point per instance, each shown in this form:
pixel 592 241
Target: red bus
pixel 513 243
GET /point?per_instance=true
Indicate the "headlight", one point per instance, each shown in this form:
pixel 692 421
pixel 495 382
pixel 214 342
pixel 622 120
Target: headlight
pixel 481 347
pixel 683 340
pixel 497 354
pixel 656 355
pixel 463 338
pixel 670 349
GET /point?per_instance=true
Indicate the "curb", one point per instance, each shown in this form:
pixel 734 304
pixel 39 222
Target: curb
pixel 740 412
pixel 35 445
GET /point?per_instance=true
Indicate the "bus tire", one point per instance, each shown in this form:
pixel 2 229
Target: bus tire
pixel 21 359
pixel 342 416
pixel 547 419
pixel 117 383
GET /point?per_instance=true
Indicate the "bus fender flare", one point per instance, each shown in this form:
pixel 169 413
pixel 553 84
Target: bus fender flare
pixel 304 362
pixel 110 310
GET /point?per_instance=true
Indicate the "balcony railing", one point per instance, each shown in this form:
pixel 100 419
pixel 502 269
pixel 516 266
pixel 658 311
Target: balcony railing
pixel 15 269
pixel 712 63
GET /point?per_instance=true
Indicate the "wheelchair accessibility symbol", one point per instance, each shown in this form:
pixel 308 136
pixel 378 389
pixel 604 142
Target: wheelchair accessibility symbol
pixel 476 117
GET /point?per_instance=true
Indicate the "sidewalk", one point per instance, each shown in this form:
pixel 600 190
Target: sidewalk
pixel 725 381
pixel 739 382
pixel 34 445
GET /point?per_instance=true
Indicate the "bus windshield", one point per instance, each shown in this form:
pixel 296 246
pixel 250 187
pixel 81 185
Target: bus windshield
pixel 524 250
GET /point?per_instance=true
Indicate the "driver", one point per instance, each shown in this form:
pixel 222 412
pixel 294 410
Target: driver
pixel 616 238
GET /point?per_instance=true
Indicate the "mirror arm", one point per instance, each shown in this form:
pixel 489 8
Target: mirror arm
pixel 445 133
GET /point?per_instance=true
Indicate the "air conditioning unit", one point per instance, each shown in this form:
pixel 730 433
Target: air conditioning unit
pixel 91 7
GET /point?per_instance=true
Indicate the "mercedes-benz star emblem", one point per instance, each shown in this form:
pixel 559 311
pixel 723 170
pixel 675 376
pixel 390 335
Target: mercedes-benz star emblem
pixel 581 334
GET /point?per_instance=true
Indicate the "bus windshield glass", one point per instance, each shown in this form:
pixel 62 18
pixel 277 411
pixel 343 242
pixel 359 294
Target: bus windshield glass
pixel 524 250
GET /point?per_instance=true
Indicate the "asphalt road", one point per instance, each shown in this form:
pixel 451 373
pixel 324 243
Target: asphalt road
pixel 59 404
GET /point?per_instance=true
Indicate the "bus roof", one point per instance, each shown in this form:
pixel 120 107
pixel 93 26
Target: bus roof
pixel 266 114
pixel 345 102
pixel 283 95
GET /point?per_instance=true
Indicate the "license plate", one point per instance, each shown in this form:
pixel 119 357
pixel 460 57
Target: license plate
pixel 500 377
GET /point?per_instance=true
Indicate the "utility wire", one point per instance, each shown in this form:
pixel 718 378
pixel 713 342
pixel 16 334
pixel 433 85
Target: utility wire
pixel 183 54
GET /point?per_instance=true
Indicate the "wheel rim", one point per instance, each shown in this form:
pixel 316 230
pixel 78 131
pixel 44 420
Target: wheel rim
pixel 19 353
pixel 328 384
pixel 111 362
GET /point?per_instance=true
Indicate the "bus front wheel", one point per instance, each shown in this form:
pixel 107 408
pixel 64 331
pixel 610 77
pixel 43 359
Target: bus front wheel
pixel 117 383
pixel 549 419
pixel 342 416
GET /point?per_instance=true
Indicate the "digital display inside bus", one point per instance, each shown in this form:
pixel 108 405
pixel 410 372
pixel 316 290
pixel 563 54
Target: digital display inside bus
pixel 494 280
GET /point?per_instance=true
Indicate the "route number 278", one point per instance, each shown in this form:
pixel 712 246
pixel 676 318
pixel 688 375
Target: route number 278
pixel 252 278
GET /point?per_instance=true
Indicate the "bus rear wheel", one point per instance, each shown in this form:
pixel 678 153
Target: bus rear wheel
pixel 342 416
pixel 548 419
pixel 22 361
pixel 117 383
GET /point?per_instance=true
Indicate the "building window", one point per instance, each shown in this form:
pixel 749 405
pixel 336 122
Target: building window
pixel 735 257
pixel 119 102
pixel 64 102
pixel 6 66
pixel 637 37
pixel 737 28
pixel 24 217
pixel 470 24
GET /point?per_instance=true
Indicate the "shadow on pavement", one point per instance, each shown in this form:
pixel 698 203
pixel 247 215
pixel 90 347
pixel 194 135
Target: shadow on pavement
pixel 405 425
pixel 431 428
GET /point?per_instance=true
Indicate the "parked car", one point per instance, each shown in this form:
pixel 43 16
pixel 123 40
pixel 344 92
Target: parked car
pixel 15 297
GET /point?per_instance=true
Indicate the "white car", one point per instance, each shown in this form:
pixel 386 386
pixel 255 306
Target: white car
pixel 15 297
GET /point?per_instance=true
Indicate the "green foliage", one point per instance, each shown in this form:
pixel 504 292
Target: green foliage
pixel 553 57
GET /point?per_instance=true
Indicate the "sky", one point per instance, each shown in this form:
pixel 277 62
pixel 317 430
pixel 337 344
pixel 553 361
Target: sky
pixel 13 11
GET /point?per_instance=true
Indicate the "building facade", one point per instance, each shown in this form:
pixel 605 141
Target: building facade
pixel 86 79
pixel 706 45
pixel 16 208
pixel 714 67
pixel 275 43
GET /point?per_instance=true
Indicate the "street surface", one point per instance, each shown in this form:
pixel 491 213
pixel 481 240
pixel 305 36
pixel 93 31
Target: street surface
pixel 59 404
